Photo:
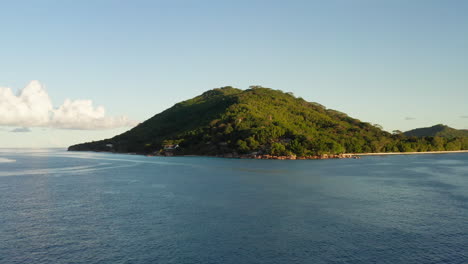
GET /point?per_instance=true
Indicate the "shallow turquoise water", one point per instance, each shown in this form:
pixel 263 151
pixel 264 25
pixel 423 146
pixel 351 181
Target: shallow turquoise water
pixel 65 207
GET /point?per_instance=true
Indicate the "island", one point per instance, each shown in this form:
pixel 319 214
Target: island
pixel 264 123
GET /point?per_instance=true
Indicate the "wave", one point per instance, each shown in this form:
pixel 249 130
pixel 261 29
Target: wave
pixel 120 157
pixel 65 170
pixel 5 160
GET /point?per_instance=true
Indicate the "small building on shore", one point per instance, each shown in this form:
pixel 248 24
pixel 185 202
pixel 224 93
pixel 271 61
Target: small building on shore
pixel 171 146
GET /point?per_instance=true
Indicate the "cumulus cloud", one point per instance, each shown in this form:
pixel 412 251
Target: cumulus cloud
pixel 409 118
pixel 32 107
pixel 20 130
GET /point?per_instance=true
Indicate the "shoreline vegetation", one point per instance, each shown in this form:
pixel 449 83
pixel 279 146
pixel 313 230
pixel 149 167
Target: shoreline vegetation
pixel 317 157
pixel 293 157
pixel 275 157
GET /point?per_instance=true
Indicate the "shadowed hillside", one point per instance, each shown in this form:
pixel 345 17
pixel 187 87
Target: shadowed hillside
pixel 437 131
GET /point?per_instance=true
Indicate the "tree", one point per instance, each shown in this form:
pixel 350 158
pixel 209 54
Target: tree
pixel 438 143
pixel 278 149
pixel 242 146
pixel 296 147
pixel 253 144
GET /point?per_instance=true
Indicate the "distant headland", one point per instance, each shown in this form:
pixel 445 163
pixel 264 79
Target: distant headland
pixel 268 124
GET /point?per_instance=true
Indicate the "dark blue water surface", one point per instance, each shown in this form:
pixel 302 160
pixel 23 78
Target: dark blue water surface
pixel 61 207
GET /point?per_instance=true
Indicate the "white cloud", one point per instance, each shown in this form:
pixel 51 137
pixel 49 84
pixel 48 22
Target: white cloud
pixel 32 107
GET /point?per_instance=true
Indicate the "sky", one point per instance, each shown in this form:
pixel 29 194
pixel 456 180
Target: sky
pixel 76 71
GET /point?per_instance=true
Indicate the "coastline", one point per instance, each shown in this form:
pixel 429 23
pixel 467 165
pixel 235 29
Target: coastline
pixel 324 156
pixel 292 157
pixel 410 153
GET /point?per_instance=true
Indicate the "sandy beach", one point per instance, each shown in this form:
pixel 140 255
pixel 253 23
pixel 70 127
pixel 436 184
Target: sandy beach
pixel 409 153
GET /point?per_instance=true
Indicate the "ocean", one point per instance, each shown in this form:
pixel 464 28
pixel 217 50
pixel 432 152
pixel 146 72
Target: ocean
pixel 80 207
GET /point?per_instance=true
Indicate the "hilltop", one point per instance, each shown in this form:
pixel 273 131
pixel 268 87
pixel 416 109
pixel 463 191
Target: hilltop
pixel 437 131
pixel 228 121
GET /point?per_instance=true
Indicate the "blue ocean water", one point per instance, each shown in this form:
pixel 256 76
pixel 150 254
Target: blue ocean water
pixel 68 207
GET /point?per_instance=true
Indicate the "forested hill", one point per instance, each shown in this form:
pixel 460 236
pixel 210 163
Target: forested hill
pixel 437 131
pixel 260 120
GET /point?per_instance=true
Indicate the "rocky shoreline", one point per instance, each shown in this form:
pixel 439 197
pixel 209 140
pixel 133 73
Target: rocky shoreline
pixel 273 157
pixel 292 157
pixel 314 157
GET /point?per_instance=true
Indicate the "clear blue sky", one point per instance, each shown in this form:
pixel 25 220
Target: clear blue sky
pixel 401 64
